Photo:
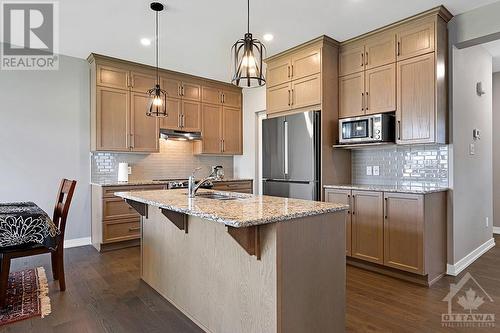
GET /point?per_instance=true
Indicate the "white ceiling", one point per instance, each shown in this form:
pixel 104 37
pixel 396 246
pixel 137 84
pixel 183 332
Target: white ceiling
pixel 494 49
pixel 197 34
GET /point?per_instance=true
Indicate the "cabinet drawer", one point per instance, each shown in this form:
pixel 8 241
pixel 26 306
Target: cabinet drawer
pixel 242 187
pixel 117 208
pixel 123 230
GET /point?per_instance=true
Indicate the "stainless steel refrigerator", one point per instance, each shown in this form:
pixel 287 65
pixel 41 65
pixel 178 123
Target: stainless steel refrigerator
pixel 291 156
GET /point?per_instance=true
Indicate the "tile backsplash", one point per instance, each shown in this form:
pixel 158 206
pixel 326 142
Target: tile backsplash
pixel 415 165
pixel 175 160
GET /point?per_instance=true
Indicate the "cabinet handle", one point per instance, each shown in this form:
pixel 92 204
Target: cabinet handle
pixel 291 102
pixel 367 101
pixel 179 90
pixel 288 97
pixel 353 205
pixel 223 145
pixel 292 72
pixel 385 208
pixel 134 229
pixel 288 68
pixel 349 203
pixel 362 101
pixel 399 49
pixel 366 59
pixel 132 140
pixel 182 90
pixel 362 59
pixel 399 130
pixel 183 120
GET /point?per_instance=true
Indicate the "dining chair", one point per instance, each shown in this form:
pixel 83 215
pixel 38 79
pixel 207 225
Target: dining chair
pixel 63 202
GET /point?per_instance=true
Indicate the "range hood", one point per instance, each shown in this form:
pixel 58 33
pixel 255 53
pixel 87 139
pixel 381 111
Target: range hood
pixel 169 134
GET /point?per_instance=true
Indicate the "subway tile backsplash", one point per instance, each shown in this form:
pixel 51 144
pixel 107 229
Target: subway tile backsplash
pixel 416 165
pixel 175 160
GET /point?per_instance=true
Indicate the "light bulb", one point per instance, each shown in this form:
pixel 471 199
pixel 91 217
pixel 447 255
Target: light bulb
pixel 157 101
pixel 248 61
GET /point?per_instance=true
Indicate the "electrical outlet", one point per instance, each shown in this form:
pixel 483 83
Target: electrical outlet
pixel 129 170
pixel 487 222
pixel 472 149
pixel 376 170
pixel 368 170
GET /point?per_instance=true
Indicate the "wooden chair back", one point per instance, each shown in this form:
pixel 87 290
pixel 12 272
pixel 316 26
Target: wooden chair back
pixel 63 201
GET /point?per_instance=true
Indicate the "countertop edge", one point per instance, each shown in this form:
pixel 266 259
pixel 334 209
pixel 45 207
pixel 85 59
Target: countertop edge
pixel 229 222
pixel 386 188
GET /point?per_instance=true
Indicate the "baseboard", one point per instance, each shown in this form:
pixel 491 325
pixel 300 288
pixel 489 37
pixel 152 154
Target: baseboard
pixel 463 263
pixel 496 230
pixel 75 242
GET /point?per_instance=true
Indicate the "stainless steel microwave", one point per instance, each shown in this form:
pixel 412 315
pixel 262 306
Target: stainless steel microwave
pixel 366 129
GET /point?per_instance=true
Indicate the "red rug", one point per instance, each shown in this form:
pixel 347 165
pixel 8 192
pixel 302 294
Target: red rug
pixel 27 296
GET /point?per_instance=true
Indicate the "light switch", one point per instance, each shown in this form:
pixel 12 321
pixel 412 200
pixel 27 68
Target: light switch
pixel 376 170
pixel 368 170
pixel 472 149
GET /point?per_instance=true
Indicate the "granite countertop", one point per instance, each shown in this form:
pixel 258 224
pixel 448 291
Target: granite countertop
pixel 247 210
pixel 412 189
pixel 159 182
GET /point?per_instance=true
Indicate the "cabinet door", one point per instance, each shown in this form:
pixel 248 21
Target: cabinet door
pixel 232 98
pixel 112 77
pixel 380 50
pixel 211 128
pixel 305 63
pixel 415 113
pixel 191 91
pixel 112 123
pixel 367 226
pixel 142 82
pixel 306 91
pixel 231 131
pixel 211 95
pixel 172 86
pixel 415 39
pixel 279 98
pixel 380 86
pixel 144 130
pixel 172 120
pixel 351 95
pixel 342 197
pixel 191 116
pixel 278 72
pixel 403 232
pixel 351 59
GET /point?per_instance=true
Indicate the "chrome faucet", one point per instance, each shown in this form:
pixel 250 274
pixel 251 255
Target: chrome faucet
pixel 193 187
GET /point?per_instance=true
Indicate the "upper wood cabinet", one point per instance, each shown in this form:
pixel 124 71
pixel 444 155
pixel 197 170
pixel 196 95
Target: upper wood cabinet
pixel 352 95
pixel 380 89
pixel 119 103
pixel 342 197
pixel 351 59
pixel 294 79
pixel 416 38
pixel 416 112
pixel 367 226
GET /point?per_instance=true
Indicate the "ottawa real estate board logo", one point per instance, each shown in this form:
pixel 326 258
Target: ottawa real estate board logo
pixel 466 303
pixel 30 39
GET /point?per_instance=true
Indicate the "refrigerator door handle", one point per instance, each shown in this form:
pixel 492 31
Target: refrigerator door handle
pixel 286 148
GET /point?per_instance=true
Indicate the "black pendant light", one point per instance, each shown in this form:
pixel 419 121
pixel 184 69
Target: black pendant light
pixel 247 56
pixel 157 106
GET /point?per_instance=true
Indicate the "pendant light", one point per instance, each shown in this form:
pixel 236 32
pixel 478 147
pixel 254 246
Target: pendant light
pixel 247 54
pixel 157 105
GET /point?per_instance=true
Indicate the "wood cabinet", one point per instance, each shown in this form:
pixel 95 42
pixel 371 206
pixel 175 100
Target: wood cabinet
pixel 367 226
pixel 416 38
pixel 240 186
pixel 351 59
pixel 352 95
pixel 342 197
pixel 119 103
pixel 403 232
pixel 294 80
pixel 380 89
pixel 400 234
pixel 416 113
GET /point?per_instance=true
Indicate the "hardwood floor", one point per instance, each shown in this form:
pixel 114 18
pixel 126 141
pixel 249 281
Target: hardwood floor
pixel 104 294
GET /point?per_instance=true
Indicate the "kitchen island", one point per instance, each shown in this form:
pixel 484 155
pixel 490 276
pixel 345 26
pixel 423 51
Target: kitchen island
pixel 242 263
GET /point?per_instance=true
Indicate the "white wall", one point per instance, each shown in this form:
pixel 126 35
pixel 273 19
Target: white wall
pixel 245 166
pixel 472 190
pixel 496 149
pixel 45 136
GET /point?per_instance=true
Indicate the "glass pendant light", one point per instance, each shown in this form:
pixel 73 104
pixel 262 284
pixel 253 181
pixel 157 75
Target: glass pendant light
pixel 157 105
pixel 247 56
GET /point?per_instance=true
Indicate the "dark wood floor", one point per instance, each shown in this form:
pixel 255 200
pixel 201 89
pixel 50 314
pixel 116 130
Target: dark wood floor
pixel 104 294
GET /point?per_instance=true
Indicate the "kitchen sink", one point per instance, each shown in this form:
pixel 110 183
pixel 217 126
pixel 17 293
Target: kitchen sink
pixel 216 196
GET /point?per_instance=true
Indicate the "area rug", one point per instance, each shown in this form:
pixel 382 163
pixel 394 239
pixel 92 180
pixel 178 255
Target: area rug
pixel 27 296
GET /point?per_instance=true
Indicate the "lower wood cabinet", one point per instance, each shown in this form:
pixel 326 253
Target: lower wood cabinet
pixel 367 226
pixel 400 234
pixel 241 186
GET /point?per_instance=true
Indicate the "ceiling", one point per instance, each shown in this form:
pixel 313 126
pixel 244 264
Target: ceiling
pixel 196 35
pixel 494 49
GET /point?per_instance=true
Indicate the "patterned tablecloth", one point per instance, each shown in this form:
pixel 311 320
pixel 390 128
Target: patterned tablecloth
pixel 24 223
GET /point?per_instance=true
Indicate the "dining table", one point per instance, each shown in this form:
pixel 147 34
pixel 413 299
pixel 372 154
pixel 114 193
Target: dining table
pixel 25 224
